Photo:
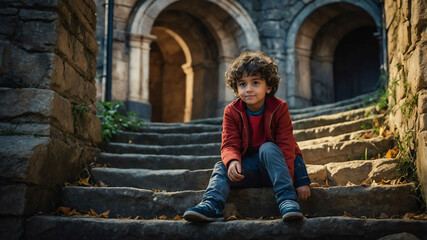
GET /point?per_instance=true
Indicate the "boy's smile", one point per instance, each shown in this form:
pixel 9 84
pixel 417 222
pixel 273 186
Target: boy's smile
pixel 252 90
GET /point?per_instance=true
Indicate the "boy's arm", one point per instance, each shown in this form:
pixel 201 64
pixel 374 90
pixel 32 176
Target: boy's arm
pixel 300 172
pixel 231 139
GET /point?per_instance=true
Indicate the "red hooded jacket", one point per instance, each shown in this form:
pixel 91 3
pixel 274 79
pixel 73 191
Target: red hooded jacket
pixel 277 125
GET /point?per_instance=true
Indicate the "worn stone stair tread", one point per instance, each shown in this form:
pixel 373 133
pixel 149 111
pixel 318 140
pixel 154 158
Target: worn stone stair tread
pixel 250 202
pixel 184 179
pixel 346 150
pixel 365 99
pixel 168 139
pixel 54 227
pixel 151 161
pixel 184 128
pixel 315 154
pixel 324 120
pixel 328 111
pixel 334 139
pixel 333 129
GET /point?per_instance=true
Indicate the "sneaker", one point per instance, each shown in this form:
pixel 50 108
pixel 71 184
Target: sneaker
pixel 204 211
pixel 290 210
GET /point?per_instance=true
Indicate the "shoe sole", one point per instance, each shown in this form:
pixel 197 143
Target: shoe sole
pixel 292 216
pixel 197 217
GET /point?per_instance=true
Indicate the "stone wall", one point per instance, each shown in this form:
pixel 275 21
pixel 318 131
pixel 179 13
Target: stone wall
pixel 48 124
pixel 406 23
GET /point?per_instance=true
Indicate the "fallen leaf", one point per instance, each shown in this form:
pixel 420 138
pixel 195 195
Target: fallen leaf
pixel 348 214
pixel 231 218
pixel 65 210
pixel 177 217
pixel 408 215
pixel 312 185
pixel 93 213
pixel 138 218
pixel 83 182
pixel 350 184
pixel 368 135
pixel 377 123
pixel 163 217
pixel 392 153
pixel 326 186
pixel 104 214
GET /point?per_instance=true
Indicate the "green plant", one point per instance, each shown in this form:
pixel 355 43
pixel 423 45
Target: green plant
pixel 112 121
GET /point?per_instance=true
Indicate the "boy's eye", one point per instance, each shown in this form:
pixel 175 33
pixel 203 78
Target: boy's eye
pixel 242 84
pixel 256 82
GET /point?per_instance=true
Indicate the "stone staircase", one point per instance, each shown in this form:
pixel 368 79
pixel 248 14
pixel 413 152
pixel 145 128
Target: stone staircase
pixel 163 169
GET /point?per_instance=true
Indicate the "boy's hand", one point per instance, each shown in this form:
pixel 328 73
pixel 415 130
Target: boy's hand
pixel 303 192
pixel 234 170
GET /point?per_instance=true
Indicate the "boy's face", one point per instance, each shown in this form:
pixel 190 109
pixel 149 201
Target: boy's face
pixel 252 90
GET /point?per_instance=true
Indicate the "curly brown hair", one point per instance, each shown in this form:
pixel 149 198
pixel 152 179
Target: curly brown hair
pixel 253 63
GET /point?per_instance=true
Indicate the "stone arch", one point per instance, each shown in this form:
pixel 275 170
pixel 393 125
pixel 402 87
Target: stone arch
pixel 225 22
pixel 311 40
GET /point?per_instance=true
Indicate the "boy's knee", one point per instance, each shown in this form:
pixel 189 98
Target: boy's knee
pixel 268 147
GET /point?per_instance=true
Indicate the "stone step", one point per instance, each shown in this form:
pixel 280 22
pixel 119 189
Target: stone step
pixel 364 99
pixel 183 179
pixel 334 139
pixel 180 128
pixel 249 202
pixel 332 119
pixel 334 129
pixel 327 111
pixel 168 139
pixel 54 227
pixel 315 154
pixel 130 160
pixel 361 100
pixel 346 150
pixel 207 149
pixel 164 139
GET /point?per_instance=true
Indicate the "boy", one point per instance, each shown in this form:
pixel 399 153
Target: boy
pixel 258 146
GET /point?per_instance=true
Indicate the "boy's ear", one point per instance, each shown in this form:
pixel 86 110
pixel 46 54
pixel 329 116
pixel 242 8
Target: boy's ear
pixel 269 90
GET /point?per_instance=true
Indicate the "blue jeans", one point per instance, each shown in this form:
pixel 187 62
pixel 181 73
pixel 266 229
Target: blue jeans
pixel 265 168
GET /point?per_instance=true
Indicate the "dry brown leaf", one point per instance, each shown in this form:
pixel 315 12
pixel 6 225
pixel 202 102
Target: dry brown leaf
pixel 312 185
pixel 326 186
pixel 93 213
pixel 367 182
pixel 163 217
pixel 408 215
pixel 231 218
pixel 377 123
pixel 392 153
pixel 138 218
pixel 368 135
pixel 104 214
pixel 83 182
pixel 65 210
pixel 348 214
pixel 177 217
pixel 124 218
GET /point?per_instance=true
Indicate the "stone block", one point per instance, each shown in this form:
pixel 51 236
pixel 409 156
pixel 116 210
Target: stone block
pixel 271 29
pixel 37 105
pixel 418 16
pixel 423 122
pixel 417 68
pixel 422 101
pixel 8 11
pixel 273 14
pixel 42 160
pixel 40 130
pixel 31 14
pixel 21 199
pixel 69 83
pixel 84 15
pixel 88 128
pixel 317 173
pixel 38 36
pixel 11 227
pixel 40 3
pixel 22 69
pixel 404 36
pixel 421 162
pixel 8 25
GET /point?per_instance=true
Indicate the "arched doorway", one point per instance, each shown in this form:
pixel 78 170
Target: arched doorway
pixel 316 52
pixel 179 51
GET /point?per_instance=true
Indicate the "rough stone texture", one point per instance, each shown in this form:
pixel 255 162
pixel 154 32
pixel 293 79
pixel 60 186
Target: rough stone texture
pixel 334 228
pixel 250 202
pixel 32 159
pixel 407 47
pixel 47 66
pixel 36 105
